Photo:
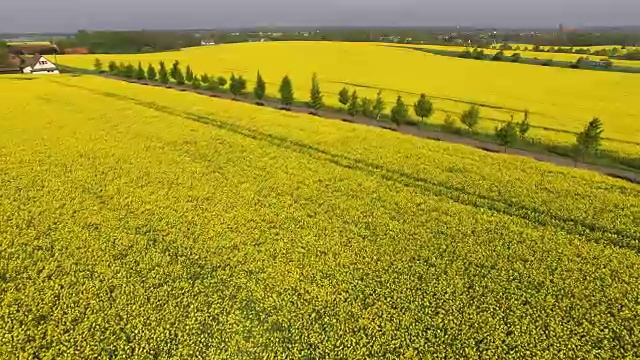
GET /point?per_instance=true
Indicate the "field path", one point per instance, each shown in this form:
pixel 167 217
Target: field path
pixel 414 131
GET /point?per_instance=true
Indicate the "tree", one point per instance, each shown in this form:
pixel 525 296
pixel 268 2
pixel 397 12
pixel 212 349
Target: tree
pixel 222 81
pixel 260 89
pixel 188 74
pixel 353 107
pixel 237 85
pixel 213 85
pixel 315 102
pixel 499 56
pixel 113 68
pixel 471 117
pixel 588 141
pixel 343 96
pixel 122 68
pixel 163 76
pixel 379 105
pixel 366 107
pixel 129 71
pixel 140 73
pixel 195 83
pixel 516 57
pixel 399 112
pixel 174 69
pixel 97 65
pixel 178 77
pixel 524 126
pixel 507 134
pixel 286 92
pixel 152 75
pixel 205 79
pixel 423 107
pixel 450 124
pixel 232 85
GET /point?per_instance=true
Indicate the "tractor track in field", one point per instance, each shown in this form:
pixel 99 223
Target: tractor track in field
pixel 329 114
pixel 595 232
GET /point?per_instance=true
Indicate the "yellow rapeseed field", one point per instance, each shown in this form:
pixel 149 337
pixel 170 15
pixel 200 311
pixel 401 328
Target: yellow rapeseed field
pixel 561 101
pixel 530 54
pixel 141 222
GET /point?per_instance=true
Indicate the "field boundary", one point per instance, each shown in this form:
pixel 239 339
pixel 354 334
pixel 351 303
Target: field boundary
pixel 407 129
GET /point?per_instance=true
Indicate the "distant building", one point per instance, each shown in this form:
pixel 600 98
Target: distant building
pixel 207 42
pixel 597 63
pixel 77 51
pixel 257 40
pixel 39 65
pixel 393 39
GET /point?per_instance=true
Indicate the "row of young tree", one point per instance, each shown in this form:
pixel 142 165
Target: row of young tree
pixel 237 86
pixel 509 134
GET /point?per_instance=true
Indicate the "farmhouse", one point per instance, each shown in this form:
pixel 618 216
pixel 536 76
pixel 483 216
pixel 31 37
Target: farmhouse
pixel 39 65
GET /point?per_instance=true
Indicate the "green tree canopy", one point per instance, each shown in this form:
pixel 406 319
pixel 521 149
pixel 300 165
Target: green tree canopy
pixel 399 112
pixel 222 81
pixel 286 92
pixel 237 85
pixel 366 107
pixel 188 74
pixel 260 90
pixel 588 141
pixel 163 76
pixel 152 75
pixel 140 73
pixel 507 134
pixel 315 101
pixel 423 107
pixel 379 105
pixel 343 96
pixel 471 117
pixel 113 67
pixel 195 82
pixel 97 65
pixel 353 107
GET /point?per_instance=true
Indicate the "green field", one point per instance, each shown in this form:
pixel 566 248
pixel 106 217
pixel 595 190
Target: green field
pixel 142 223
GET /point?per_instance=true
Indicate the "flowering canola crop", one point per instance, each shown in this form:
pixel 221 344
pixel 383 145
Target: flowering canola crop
pixel 561 101
pixel 141 222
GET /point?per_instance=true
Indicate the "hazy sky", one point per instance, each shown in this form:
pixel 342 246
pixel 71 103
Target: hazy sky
pixel 70 15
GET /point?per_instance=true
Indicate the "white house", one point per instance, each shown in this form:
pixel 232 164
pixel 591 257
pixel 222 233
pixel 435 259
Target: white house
pixel 40 65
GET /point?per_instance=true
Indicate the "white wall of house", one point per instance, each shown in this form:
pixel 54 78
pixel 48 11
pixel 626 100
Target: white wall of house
pixel 43 66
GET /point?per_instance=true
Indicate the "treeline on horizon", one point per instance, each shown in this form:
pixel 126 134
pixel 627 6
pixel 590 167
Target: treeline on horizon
pixel 124 42
pixel 141 41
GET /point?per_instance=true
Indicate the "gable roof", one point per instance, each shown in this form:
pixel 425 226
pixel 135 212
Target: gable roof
pixel 33 62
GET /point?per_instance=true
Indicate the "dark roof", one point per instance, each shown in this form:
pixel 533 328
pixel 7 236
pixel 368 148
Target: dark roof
pixel 23 49
pixel 32 61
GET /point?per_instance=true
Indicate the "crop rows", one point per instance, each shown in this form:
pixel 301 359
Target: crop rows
pixel 140 223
